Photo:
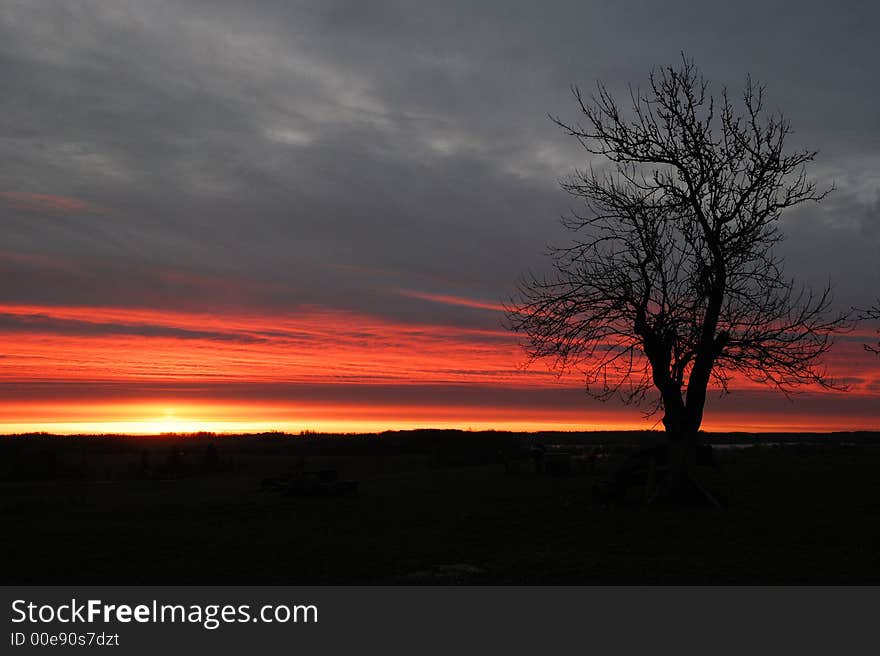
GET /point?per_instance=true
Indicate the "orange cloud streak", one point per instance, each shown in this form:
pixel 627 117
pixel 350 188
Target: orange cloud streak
pixel 22 200
pixel 447 299
pixel 314 345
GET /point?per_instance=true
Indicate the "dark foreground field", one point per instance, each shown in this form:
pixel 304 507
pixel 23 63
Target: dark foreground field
pixel 432 507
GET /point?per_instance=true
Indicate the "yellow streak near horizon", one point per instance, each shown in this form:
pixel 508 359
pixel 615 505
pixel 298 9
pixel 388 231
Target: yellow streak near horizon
pixel 327 427
pixel 156 418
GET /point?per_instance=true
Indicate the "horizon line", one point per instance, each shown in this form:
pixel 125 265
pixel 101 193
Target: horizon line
pixel 311 433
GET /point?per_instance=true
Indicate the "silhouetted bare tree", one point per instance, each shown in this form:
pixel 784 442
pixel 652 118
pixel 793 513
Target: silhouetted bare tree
pixel 671 281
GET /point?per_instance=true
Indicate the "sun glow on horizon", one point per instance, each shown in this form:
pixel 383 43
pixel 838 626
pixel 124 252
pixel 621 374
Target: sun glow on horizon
pixel 144 419
pixel 223 418
pixel 169 423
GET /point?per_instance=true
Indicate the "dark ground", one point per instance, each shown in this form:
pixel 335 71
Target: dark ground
pixel 433 507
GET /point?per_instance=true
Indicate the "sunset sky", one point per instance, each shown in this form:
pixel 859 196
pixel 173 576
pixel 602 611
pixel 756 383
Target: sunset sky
pixel 267 215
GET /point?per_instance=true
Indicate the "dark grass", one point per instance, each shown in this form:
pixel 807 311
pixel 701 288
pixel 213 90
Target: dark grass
pixel 434 507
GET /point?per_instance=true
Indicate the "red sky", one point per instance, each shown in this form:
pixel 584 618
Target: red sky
pixel 107 369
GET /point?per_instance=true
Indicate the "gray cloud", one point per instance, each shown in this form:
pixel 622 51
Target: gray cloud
pixel 336 150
